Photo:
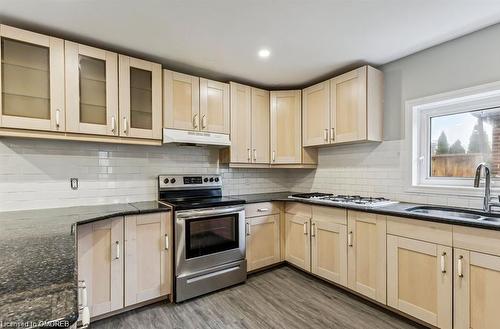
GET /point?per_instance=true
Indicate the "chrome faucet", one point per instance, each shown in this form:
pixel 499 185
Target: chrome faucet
pixel 487 203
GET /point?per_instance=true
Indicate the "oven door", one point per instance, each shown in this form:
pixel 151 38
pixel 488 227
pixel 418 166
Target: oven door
pixel 209 237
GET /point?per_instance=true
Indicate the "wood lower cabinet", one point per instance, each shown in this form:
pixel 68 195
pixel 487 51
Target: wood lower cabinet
pixel 419 279
pixel 329 250
pixel 148 273
pixel 263 241
pixel 140 98
pixel 297 240
pixel 32 81
pixel 100 264
pixel 366 254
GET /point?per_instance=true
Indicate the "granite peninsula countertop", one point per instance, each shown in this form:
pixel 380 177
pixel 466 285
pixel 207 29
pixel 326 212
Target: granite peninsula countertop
pixel 38 276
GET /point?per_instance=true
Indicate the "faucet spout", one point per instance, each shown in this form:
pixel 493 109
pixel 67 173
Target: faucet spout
pixel 487 184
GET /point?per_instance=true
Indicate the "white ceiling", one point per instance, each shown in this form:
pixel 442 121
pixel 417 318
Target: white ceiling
pixel 308 39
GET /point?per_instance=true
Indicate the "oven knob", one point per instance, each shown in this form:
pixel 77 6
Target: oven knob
pixel 211 179
pixel 165 181
pixel 172 181
pixel 216 179
pixel 205 179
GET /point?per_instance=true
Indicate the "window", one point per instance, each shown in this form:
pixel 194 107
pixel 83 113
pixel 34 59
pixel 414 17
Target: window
pixel 452 133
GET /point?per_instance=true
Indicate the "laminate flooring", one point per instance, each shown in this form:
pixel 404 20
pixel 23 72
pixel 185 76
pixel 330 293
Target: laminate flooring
pixel 279 298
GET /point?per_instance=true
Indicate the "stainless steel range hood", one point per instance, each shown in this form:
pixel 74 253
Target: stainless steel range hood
pixel 195 137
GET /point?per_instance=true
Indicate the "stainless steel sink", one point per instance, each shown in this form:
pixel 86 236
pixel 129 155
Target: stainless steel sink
pixel 455 213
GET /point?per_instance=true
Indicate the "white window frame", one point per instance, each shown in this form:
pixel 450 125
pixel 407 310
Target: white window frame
pixel 418 115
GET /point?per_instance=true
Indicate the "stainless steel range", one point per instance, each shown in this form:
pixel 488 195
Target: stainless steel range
pixel 209 234
pixel 352 200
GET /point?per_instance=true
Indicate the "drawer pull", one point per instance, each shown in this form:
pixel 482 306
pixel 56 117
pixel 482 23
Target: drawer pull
pixel 262 209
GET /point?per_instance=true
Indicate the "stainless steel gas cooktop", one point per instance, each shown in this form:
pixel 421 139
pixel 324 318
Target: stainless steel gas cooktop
pixel 354 200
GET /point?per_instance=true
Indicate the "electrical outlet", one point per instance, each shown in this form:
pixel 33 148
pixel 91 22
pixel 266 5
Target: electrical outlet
pixel 73 183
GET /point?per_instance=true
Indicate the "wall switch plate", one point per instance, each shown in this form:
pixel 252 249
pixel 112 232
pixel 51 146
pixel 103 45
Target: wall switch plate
pixel 74 183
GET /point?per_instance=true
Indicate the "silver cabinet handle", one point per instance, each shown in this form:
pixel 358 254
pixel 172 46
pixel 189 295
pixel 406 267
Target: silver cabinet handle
pixel 254 155
pixel 195 121
pixel 349 239
pixel 443 262
pixel 166 241
pixel 313 230
pixel 262 209
pixel 460 269
pixel 305 228
pixel 58 114
pixel 325 137
pixel 117 244
pixel 82 289
pixel 274 156
pixel 248 228
pixel 203 121
pixel 125 125
pixel 113 124
pixel 333 135
pixel 249 155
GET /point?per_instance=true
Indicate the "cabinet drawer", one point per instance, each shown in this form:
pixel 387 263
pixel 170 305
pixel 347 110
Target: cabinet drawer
pixel 330 214
pixel 476 239
pixel 420 230
pixel 296 208
pixel 262 209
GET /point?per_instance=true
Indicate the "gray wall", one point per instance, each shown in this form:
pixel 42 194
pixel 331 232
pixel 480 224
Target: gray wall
pixel 467 61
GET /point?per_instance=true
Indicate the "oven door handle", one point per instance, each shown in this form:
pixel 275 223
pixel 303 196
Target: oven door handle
pixel 190 214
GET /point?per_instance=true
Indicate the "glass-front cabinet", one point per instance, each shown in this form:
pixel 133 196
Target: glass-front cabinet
pixel 140 98
pixel 91 90
pixel 32 80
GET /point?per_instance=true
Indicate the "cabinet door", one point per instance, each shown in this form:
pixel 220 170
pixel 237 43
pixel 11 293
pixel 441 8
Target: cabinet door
pixel 140 98
pixel 181 100
pixel 260 126
pixel 100 264
pixel 477 287
pixel 148 265
pixel 214 106
pixel 263 241
pixel 32 80
pixel 329 250
pixel 297 241
pixel 286 127
pixel 348 106
pixel 367 254
pixel 240 123
pixel 91 90
pixel 316 114
pixel 419 280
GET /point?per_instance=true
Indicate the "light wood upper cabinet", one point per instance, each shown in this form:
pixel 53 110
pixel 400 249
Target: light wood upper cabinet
pixel 181 101
pixel 32 83
pixel 419 279
pixel 214 106
pixel 148 268
pixel 241 116
pixel 286 146
pixel 367 254
pixel 297 241
pixel 356 105
pixel 140 96
pixel 263 241
pixel 260 126
pixel 91 90
pixel 316 114
pixel 329 250
pixel 100 264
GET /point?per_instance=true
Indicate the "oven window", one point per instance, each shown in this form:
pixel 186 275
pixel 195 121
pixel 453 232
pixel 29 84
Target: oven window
pixel 209 235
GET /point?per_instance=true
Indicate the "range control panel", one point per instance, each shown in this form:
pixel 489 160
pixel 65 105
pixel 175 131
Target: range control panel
pixel 189 181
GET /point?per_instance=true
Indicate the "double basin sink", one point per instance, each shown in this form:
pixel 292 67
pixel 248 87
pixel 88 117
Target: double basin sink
pixel 456 213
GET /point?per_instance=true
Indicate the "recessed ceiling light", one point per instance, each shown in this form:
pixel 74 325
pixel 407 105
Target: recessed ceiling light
pixel 264 53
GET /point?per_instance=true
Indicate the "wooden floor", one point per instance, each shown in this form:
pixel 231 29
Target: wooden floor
pixel 279 298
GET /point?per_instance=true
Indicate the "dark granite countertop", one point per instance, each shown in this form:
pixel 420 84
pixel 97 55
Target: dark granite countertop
pixel 397 209
pixel 38 276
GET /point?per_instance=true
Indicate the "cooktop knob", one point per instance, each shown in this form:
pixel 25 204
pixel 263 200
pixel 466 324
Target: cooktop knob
pixel 205 179
pixel 216 179
pixel 172 180
pixel 165 181
pixel 211 179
